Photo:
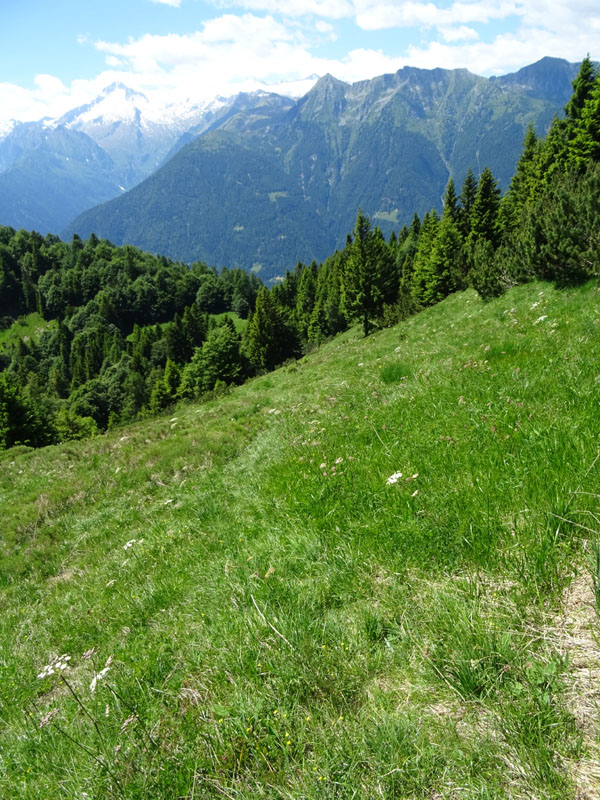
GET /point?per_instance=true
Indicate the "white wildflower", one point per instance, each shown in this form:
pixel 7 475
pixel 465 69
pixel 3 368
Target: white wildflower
pixel 541 319
pixel 129 544
pixel 98 676
pixel 535 305
pixel 339 460
pixel 58 664
pixel 394 478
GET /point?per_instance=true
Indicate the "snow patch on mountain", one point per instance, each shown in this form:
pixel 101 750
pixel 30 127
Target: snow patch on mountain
pixel 7 126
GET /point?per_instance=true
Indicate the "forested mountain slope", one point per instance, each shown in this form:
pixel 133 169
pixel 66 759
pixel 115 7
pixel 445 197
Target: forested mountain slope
pixel 387 144
pixel 52 170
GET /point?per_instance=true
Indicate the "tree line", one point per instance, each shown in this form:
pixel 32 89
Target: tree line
pixel 133 333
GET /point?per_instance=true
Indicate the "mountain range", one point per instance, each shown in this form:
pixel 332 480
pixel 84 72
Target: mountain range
pixel 53 169
pixel 261 180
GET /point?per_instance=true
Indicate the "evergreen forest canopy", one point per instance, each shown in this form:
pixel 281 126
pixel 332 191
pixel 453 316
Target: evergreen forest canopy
pixel 123 334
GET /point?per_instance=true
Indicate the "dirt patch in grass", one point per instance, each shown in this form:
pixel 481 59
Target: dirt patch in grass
pixel 578 631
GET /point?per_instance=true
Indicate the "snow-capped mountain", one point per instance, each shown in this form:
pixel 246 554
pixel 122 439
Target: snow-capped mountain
pixel 6 127
pixel 134 131
pixel 54 169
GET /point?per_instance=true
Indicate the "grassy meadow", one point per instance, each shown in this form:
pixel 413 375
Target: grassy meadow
pixel 369 574
pixel 31 326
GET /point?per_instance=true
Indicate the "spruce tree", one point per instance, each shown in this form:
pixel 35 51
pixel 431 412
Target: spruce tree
pixel 305 298
pixel 522 185
pixel 370 278
pixel 467 199
pixel 450 201
pixel 582 89
pixel 585 142
pixel 421 270
pixel 484 213
pixel 269 339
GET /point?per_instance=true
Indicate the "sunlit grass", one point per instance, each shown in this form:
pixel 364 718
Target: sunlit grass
pixel 27 328
pixel 288 623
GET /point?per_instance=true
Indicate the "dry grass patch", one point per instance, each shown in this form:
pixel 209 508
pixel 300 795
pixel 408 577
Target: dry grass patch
pixel 576 630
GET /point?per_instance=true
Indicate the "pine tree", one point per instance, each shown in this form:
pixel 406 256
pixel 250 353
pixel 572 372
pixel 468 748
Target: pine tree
pixel 467 199
pixel 450 201
pixel 370 278
pixel 582 89
pixel 269 339
pixel 585 142
pixel 484 213
pixel 421 276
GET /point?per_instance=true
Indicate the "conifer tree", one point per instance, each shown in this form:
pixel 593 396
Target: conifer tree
pixel 553 154
pixel 305 298
pixel 370 278
pixel 582 89
pixel 450 201
pixel 421 276
pixel 467 199
pixel 585 140
pixel 406 255
pixel 484 213
pixel 269 339
pixel 522 185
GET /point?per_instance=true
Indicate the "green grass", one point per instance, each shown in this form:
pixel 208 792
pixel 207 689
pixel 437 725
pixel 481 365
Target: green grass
pixel 28 327
pixel 239 323
pixel 288 623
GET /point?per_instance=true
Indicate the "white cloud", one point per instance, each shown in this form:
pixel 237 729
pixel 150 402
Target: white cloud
pixel 173 3
pixel 330 9
pixel 459 34
pixel 323 27
pixel 235 52
pixel 505 53
pixel 372 15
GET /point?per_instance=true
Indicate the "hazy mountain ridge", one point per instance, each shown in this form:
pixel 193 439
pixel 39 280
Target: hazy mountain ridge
pixel 47 174
pixel 388 144
pixel 53 169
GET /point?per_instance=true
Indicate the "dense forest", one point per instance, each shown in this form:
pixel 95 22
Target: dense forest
pixel 128 334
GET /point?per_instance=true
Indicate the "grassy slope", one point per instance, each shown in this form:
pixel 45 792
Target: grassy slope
pixel 31 326
pixel 291 625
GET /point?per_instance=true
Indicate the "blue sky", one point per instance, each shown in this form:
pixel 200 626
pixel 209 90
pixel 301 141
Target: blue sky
pixel 56 55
